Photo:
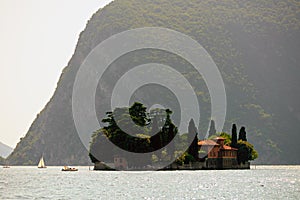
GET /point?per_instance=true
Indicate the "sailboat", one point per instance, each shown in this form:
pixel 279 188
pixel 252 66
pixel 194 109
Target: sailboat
pixel 42 163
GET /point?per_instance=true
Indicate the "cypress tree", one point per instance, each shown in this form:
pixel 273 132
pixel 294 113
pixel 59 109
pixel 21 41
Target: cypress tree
pixel 212 129
pixel 242 134
pixel 169 131
pixel 192 135
pixel 155 140
pixel 233 135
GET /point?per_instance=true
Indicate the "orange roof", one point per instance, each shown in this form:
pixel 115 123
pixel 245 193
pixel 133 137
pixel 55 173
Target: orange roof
pixel 229 148
pixel 208 143
pixel 219 138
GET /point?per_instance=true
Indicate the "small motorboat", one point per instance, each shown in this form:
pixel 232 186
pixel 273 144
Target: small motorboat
pixel 69 169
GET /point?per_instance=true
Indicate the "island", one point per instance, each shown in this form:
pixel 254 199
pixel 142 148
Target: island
pixel 154 137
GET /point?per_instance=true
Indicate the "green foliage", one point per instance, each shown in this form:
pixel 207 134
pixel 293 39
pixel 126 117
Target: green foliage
pixel 138 114
pixel 185 158
pixel 98 147
pixel 213 136
pixel 233 136
pixel 227 137
pixel 180 157
pixel 165 156
pixel 192 134
pixel 188 158
pixel 242 134
pixel 154 158
pixel 246 151
pixel 117 129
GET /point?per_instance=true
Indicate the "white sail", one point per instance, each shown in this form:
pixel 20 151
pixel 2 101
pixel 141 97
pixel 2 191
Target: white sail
pixel 41 163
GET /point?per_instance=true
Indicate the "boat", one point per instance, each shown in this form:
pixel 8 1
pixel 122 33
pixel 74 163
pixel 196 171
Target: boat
pixel 69 169
pixel 42 163
pixel 6 165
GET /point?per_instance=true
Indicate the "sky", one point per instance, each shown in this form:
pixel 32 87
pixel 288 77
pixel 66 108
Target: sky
pixel 37 39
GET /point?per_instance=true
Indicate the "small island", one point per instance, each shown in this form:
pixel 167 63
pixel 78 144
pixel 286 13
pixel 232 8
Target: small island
pixel 156 139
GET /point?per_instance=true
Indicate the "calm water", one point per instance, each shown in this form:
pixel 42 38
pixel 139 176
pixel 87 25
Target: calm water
pixel 264 182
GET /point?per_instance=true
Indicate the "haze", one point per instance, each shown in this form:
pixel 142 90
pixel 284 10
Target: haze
pixel 37 40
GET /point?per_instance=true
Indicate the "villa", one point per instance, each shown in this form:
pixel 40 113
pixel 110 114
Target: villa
pixel 216 155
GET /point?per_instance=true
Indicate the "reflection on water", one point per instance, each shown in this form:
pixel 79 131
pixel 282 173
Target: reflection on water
pixel 261 182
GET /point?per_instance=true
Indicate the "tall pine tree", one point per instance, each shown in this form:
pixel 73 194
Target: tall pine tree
pixel 242 134
pixel 170 131
pixel 192 135
pixel 212 129
pixel 233 136
pixel 156 140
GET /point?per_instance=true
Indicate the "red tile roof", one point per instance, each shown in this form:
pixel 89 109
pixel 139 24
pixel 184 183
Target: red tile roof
pixel 213 143
pixel 229 148
pixel 219 138
pixel 207 143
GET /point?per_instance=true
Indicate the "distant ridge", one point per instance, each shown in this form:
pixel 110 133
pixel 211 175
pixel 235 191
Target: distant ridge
pixel 5 150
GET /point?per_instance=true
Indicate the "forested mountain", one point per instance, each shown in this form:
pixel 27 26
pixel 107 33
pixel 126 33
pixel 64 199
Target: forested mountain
pixel 2 161
pixel 255 44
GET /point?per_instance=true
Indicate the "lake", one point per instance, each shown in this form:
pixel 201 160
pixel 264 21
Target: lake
pixel 261 182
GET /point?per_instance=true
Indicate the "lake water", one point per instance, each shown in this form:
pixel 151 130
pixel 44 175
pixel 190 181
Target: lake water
pixel 264 182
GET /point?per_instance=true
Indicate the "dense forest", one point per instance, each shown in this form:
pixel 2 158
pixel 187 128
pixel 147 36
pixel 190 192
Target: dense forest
pixel 254 43
pixel 152 132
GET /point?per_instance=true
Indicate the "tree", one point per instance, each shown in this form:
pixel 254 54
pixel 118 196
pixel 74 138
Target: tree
pixel 233 136
pixel 242 134
pixel 227 138
pixel 169 131
pixel 138 114
pixel 133 137
pixel 212 129
pixel 246 151
pixel 100 148
pixel 192 136
pixel 155 139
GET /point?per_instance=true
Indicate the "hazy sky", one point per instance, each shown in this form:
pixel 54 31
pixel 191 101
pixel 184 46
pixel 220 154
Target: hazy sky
pixel 37 38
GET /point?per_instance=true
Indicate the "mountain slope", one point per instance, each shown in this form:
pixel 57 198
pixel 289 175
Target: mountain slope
pixel 255 45
pixel 5 150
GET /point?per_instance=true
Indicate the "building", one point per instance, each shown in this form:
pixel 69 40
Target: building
pixel 120 163
pixel 217 155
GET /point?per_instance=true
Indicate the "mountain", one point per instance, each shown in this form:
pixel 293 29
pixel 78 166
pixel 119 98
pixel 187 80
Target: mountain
pixel 5 150
pixel 255 44
pixel 2 161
